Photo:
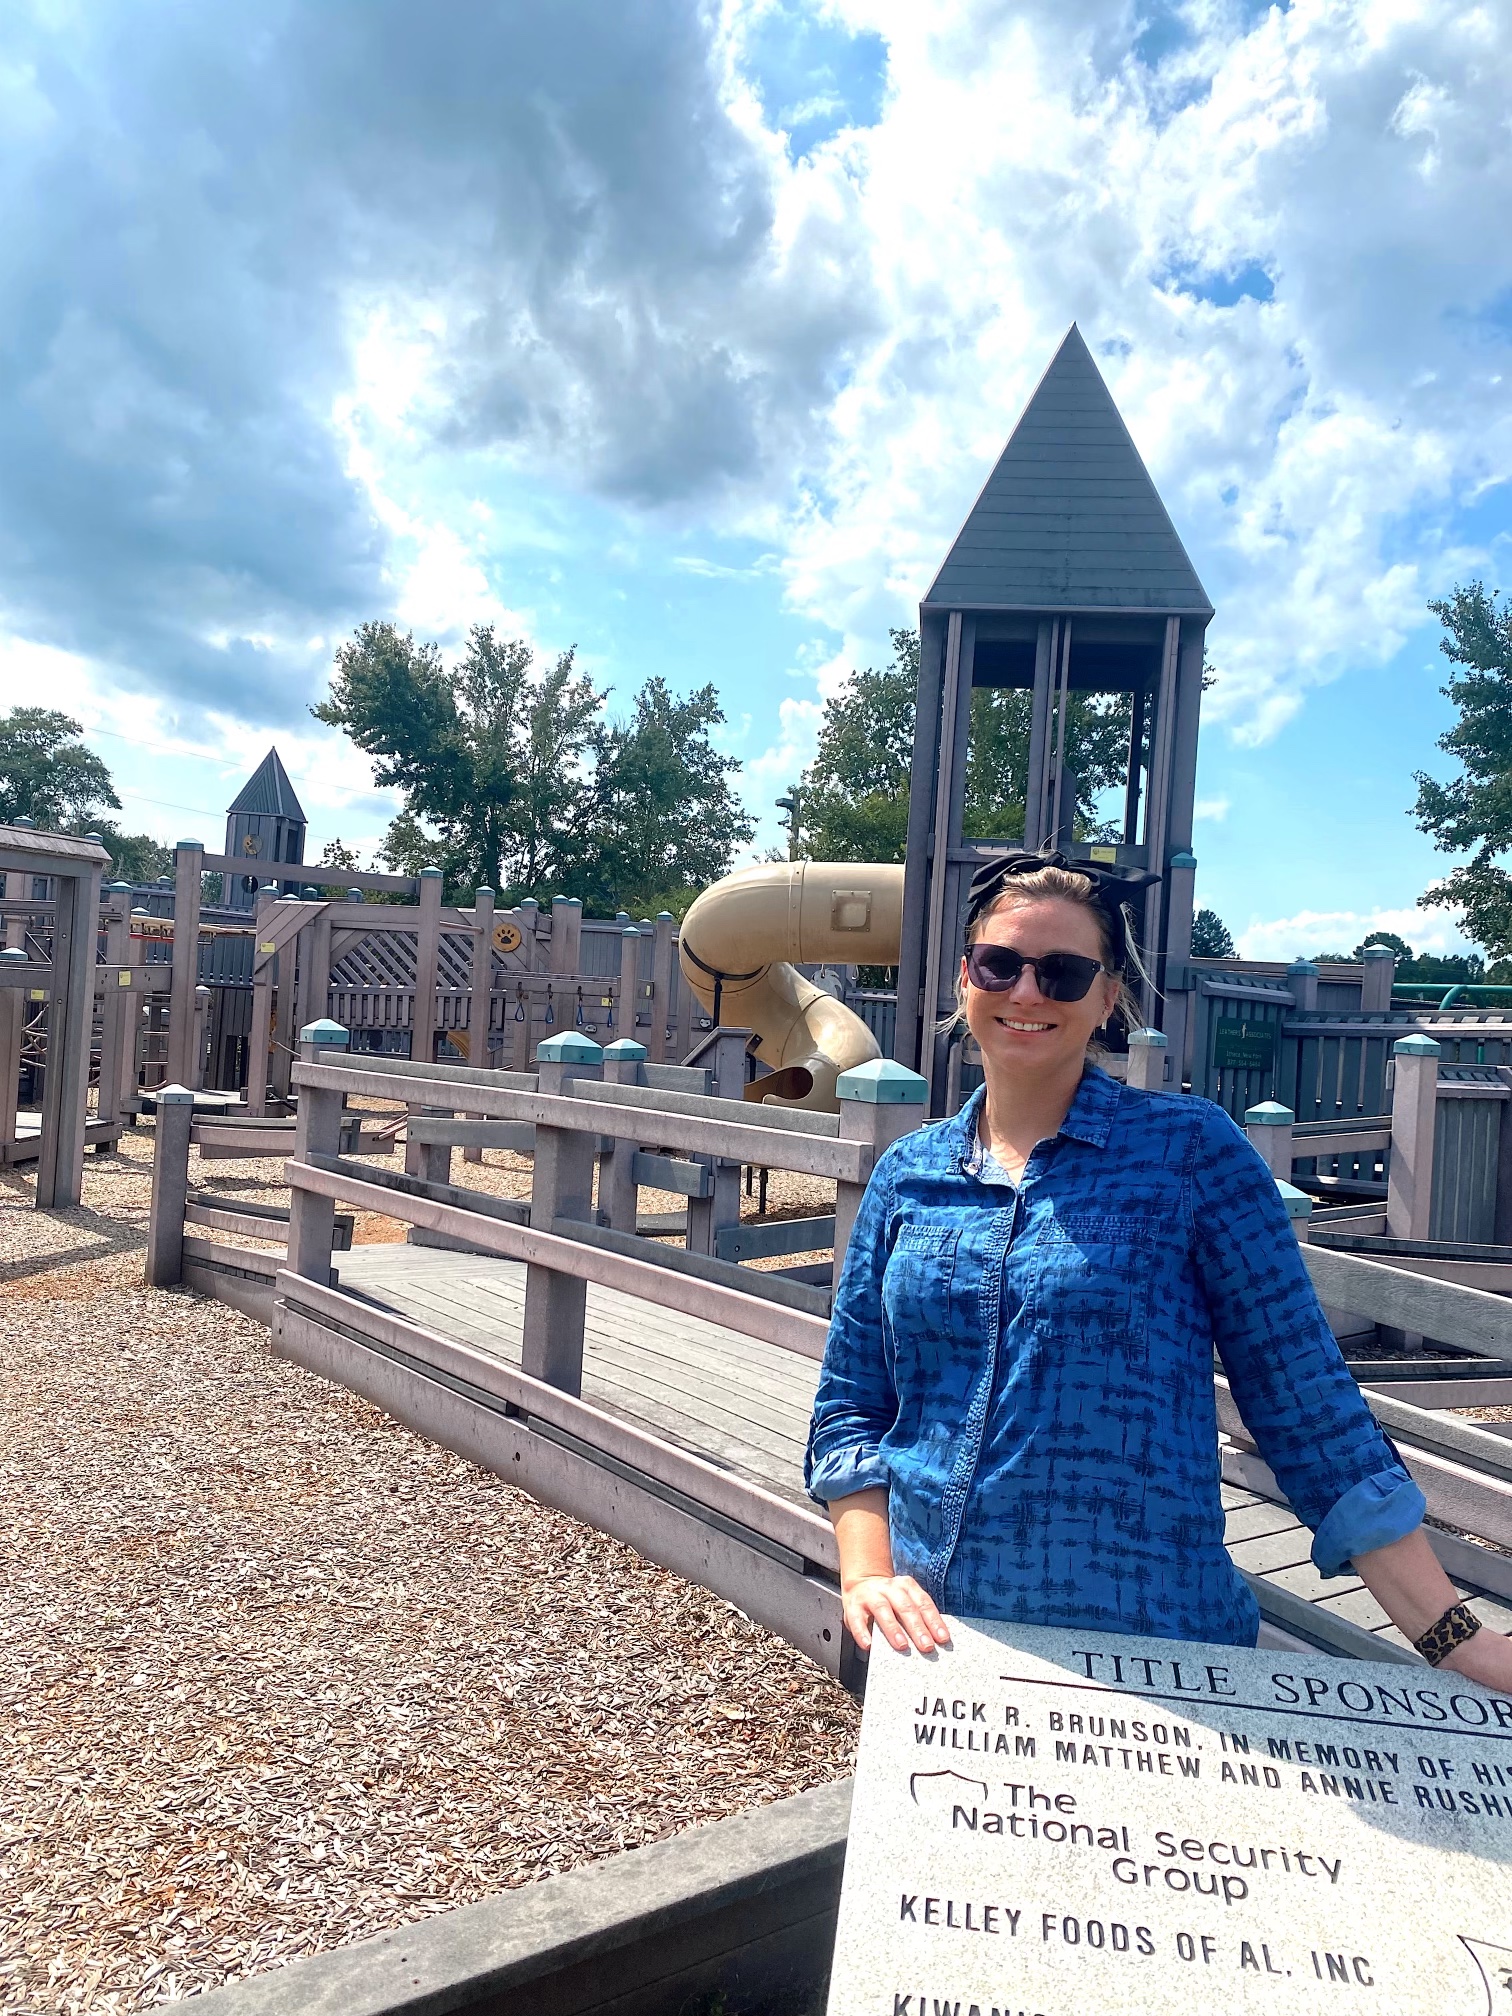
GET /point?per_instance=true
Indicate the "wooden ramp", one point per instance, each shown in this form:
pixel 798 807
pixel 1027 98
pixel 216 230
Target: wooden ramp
pixel 745 1405
pixel 733 1400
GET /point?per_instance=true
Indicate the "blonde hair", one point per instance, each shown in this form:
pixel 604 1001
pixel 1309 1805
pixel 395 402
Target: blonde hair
pixel 1069 887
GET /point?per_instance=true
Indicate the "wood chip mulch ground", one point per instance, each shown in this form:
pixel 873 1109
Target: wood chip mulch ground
pixel 275 1674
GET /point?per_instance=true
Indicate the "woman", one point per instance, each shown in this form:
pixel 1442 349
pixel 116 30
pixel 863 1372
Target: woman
pixel 1016 1416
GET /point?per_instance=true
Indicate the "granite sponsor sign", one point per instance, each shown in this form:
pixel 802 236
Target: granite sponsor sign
pixel 1054 1823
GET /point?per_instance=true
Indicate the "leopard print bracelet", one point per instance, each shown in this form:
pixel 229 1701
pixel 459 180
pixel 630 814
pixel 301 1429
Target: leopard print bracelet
pixel 1456 1627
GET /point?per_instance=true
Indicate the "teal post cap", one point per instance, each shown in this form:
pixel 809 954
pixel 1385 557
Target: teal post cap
pixel 119 888
pixel 325 1031
pixel 1298 1203
pixel 1185 859
pixel 19 951
pixel 881 1082
pixel 172 1095
pixel 482 892
pixel 1269 1113
pixel 630 931
pixel 189 843
pixel 665 917
pixel 625 1051
pixel 569 1048
pixel 430 874
pixel 1378 952
pixel 1416 1046
pixel 1148 1039
pixel 1302 966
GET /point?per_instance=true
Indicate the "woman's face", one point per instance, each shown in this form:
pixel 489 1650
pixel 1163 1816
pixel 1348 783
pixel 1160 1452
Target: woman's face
pixel 1021 1028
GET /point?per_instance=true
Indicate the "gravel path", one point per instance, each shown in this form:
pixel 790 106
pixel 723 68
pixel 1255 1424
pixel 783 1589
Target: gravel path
pixel 275 1674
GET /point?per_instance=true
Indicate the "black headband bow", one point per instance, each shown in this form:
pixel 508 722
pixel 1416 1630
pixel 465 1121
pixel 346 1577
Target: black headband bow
pixel 1112 887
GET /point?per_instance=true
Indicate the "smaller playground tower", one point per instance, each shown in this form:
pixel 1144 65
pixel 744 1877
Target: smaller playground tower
pixel 265 823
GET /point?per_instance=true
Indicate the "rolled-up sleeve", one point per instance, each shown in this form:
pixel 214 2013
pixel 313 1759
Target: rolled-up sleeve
pixel 857 1401
pixel 1288 1376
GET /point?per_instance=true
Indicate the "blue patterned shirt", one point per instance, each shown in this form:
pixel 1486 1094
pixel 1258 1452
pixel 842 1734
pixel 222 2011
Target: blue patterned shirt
pixel 1028 1371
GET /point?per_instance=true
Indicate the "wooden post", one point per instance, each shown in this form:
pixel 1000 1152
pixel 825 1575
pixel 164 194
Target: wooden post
pixel 708 1215
pixel 423 1013
pixel 188 870
pixel 551 1344
pixel 139 1009
pixel 12 1022
pixel 1414 1106
pixel 118 1003
pixel 172 1126
pixel 427 964
pixel 1303 976
pixel 262 1003
pixel 285 1020
pixel 629 983
pixel 312 1219
pixel 202 999
pixel 1269 1128
pixel 879 1102
pixel 70 1026
pixel 1379 962
pixel 617 1185
pixel 1149 1050
pixel 522 1030
pixel 480 1051
pixel 661 987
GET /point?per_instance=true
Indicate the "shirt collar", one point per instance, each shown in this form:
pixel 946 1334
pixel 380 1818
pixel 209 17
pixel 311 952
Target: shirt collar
pixel 1090 1118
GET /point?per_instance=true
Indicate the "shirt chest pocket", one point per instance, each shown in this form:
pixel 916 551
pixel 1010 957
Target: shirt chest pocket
pixel 928 1299
pixel 1092 1282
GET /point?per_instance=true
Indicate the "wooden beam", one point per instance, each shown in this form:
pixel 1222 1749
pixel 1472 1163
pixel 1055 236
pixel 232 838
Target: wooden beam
pixel 1441 1309
pixel 188 867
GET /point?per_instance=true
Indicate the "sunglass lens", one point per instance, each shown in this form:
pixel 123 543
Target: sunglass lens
pixel 1066 976
pixel 993 968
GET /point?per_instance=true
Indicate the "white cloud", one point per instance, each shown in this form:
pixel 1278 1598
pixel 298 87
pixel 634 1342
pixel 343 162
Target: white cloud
pixel 1215 809
pixel 1345 158
pixel 1308 932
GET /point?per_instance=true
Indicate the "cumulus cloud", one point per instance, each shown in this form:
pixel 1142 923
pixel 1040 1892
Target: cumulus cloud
pixel 1309 932
pixel 781 268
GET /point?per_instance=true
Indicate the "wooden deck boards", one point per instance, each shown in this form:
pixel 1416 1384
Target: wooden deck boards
pixel 745 1405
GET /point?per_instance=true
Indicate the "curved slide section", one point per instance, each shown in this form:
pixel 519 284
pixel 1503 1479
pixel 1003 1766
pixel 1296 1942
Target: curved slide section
pixel 745 933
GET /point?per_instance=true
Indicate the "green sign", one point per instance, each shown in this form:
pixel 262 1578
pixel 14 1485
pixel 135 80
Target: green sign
pixel 1244 1046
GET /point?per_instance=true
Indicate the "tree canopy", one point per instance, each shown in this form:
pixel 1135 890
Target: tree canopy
pixel 512 779
pixel 1473 811
pixel 1211 937
pixel 49 774
pixel 853 797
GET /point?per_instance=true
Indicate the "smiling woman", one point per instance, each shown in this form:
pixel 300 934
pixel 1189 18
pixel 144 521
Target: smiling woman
pixel 1015 1416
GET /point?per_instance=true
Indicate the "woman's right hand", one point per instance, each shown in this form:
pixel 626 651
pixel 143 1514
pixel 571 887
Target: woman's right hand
pixel 901 1610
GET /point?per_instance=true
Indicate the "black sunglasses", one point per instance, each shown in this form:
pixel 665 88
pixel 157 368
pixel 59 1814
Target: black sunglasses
pixel 1060 976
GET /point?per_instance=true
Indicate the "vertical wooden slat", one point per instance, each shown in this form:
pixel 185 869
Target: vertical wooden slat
pixel 188 868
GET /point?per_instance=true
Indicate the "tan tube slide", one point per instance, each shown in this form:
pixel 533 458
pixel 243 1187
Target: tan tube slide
pixel 746 932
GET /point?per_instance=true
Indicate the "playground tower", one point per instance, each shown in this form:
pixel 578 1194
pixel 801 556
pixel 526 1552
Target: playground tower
pixel 1068 577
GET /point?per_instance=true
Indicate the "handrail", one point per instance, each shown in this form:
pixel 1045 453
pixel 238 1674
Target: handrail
pixel 1440 1309
pixel 762 1140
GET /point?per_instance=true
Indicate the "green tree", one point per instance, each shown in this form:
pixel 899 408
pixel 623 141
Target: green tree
pixel 1211 937
pixel 486 755
pixel 1390 940
pixel 1473 811
pixel 854 795
pixel 48 774
pixel 661 820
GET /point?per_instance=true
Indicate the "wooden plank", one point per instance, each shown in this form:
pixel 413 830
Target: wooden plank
pixel 210 1252
pixel 1338 1141
pixel 699 1267
pixel 583 1108
pixel 306 872
pixel 514 1135
pixel 399 1183
pixel 781 1119
pixel 751 1240
pixel 789 1328
pixel 803 1608
pixel 682 1179
pixel 228 1144
pixel 1441 1309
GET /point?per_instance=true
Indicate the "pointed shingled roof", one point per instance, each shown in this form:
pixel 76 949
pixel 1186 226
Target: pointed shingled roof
pixel 1069 518
pixel 268 790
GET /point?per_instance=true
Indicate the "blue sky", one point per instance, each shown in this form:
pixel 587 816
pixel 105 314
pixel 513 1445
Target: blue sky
pixel 686 332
